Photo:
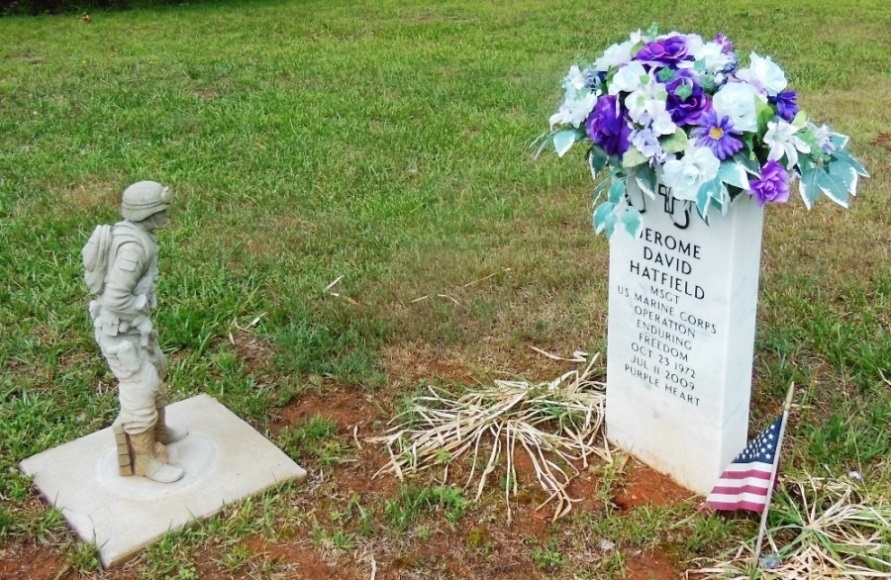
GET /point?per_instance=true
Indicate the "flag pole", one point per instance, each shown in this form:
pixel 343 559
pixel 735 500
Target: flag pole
pixel 773 474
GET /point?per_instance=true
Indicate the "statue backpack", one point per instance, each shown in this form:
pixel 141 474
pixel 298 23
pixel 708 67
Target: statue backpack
pixel 95 258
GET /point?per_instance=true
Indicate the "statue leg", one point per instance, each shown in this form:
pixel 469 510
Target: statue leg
pixel 135 425
pixel 163 432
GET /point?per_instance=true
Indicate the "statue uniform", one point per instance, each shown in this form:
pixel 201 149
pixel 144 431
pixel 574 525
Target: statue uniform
pixel 120 268
pixel 123 328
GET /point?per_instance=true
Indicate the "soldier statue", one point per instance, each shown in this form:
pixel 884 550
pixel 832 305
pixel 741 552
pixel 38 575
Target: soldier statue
pixel 121 265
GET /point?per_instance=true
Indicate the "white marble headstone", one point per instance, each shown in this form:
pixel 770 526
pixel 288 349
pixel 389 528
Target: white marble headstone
pixel 682 305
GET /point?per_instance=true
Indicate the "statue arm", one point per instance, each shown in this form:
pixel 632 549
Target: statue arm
pixel 128 268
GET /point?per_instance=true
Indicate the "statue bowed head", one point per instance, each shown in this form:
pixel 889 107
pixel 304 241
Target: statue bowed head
pixel 120 268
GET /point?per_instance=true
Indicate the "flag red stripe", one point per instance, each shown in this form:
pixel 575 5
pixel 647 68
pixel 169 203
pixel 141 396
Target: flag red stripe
pixel 732 490
pixel 736 505
pixel 756 473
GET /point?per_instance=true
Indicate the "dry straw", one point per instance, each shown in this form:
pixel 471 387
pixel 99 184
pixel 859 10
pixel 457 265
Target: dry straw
pixel 558 425
pixel 826 529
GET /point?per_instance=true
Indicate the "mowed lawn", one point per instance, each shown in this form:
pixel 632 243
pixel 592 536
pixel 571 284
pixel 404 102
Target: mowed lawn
pixel 384 145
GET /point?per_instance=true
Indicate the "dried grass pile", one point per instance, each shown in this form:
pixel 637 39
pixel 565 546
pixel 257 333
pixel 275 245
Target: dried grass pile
pixel 558 424
pixel 825 529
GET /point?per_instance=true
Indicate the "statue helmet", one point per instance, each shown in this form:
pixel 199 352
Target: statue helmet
pixel 144 199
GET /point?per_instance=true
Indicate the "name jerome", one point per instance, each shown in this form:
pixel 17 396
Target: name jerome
pixel 672 243
pixel 673 256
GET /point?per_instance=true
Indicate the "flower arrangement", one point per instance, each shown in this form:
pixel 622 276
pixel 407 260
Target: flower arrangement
pixel 682 110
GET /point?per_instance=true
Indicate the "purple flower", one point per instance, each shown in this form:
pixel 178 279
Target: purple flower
pixel 787 105
pixel 686 99
pixel 607 127
pixel 667 51
pixel 726 45
pixel 716 132
pixel 773 186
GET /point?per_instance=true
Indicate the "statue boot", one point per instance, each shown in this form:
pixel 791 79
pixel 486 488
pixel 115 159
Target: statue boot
pixel 140 454
pixel 166 434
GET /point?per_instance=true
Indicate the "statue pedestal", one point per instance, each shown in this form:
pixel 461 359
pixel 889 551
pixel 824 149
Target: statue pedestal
pixel 225 460
pixel 682 304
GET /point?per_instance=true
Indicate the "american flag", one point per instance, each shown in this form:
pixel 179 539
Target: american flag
pixel 745 484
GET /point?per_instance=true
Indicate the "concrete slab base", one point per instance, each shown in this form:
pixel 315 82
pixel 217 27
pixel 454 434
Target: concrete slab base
pixel 224 459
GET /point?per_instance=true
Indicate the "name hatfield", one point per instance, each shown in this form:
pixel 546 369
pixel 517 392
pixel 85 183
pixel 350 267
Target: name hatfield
pixel 667 279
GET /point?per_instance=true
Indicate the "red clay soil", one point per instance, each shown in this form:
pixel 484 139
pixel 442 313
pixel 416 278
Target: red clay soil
pixel 26 559
pixel 483 545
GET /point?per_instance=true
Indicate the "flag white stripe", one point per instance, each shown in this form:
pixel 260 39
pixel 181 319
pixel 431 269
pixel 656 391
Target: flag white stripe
pixel 735 498
pixel 759 465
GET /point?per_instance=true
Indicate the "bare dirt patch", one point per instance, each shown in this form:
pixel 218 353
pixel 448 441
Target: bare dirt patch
pixel 28 560
pixel 647 487
pixel 883 140
pixel 256 352
pixel 651 565
pixel 482 544
pixel 91 195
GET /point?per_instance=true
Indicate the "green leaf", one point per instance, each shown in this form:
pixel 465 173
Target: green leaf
pixel 800 120
pixel 564 140
pixel 616 190
pixel 674 143
pixel 545 139
pixel 713 189
pixel 632 158
pixel 845 156
pixel 600 188
pixel 702 202
pixel 683 92
pixel 610 227
pixel 840 141
pixel 765 115
pixel 598 159
pixel 750 165
pixel 665 74
pixel 843 171
pixel 733 173
pixel 632 220
pixel 807 185
pixel 834 187
pixel 646 180
pixel 602 215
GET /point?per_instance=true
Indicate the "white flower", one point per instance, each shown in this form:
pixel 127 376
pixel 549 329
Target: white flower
pixel 713 56
pixel 579 101
pixel 628 78
pixel 574 80
pixel 647 142
pixel 647 107
pixel 764 74
pixel 781 139
pixel 574 111
pixel 616 55
pixel 737 101
pixel 694 43
pixel 657 117
pixel 822 135
pixel 685 175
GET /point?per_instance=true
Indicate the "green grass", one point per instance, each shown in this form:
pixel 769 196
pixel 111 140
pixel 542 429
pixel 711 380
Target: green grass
pixel 386 142
pixel 314 441
pixel 404 511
